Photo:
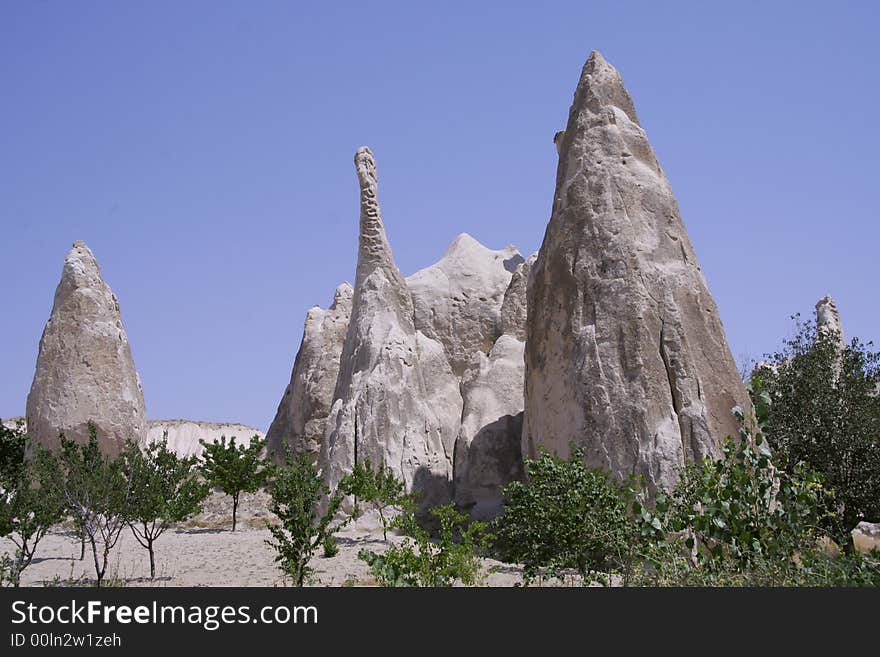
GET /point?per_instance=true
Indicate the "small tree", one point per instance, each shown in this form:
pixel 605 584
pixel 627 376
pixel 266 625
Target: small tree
pixel 30 503
pixel 379 488
pixel 297 493
pixel 166 489
pixel 235 469
pixel 420 561
pixel 97 491
pixel 822 408
pixel 566 516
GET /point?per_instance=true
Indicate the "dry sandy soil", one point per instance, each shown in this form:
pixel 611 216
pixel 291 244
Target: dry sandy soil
pixel 204 552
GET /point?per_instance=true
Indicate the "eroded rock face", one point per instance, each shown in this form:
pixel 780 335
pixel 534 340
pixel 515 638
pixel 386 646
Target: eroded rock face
pixel 457 301
pixel 828 318
pixel 513 309
pixel 85 371
pixel 397 400
pixel 487 452
pixel 301 419
pixel 626 354
pixel 184 435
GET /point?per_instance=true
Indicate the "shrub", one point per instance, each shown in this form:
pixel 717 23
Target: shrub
pixel 97 491
pixel 567 516
pixel 331 547
pixel 235 469
pixel 166 489
pixel 823 409
pixel 419 561
pixel 297 493
pixel 30 502
pixel 379 488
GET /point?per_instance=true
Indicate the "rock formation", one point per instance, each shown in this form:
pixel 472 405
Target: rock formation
pixel 84 367
pixel 487 453
pixel 301 419
pixel 625 351
pixel 828 319
pixel 184 435
pixel 397 400
pixel 457 301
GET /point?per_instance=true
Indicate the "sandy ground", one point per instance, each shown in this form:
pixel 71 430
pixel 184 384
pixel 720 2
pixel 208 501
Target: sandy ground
pixel 205 552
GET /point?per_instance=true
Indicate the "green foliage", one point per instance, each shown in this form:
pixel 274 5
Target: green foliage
pixel 740 509
pixel 566 517
pixel 235 469
pixel 822 409
pixel 166 489
pixel 331 546
pixel 419 561
pixel 30 502
pixel 97 491
pixel 379 488
pixel 297 493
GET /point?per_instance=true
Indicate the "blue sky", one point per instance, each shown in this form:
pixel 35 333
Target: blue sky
pixel 204 152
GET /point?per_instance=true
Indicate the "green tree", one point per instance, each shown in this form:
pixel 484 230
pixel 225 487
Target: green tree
pixel 166 489
pixel 297 494
pixel 566 516
pixel 420 561
pixel 822 409
pixel 235 469
pixel 97 491
pixel 30 503
pixel 379 488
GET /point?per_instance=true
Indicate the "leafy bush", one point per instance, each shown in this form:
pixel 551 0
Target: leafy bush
pixel 822 409
pixel 297 493
pixel 331 547
pixel 379 488
pixel 97 491
pixel 166 489
pixel 419 561
pixel 567 516
pixel 235 469
pixel 30 502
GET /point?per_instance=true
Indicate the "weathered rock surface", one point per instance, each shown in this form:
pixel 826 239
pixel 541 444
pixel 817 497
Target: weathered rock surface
pixel 84 370
pixel 301 419
pixel 487 453
pixel 828 318
pixel 513 309
pixel 15 423
pixel 457 301
pixel 397 400
pixel 184 435
pixel 866 537
pixel 626 354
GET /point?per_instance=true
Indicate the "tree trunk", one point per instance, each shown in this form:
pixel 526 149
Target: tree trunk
pixel 234 510
pixel 152 559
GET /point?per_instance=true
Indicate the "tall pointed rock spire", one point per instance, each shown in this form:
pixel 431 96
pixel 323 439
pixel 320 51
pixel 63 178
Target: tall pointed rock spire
pixel 85 372
pixel 625 354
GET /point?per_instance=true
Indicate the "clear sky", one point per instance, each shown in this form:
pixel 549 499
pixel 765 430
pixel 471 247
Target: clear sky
pixel 203 150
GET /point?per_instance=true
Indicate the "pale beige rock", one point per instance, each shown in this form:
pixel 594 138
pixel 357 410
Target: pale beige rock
pixel 513 309
pixel 301 419
pixel 18 422
pixel 866 537
pixel 184 435
pixel 487 452
pixel 397 400
pixel 84 370
pixel 457 301
pixel 828 319
pixel 626 354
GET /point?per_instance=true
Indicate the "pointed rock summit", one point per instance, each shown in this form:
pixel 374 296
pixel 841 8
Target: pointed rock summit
pixel 301 419
pixel 396 399
pixel 85 371
pixel 457 301
pixel 828 318
pixel 625 351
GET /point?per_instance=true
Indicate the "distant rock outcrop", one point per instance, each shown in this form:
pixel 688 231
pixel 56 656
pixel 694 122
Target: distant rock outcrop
pixel 84 370
pixel 184 435
pixel 625 352
pixel 457 301
pixel 301 419
pixel 828 319
pixel 397 400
